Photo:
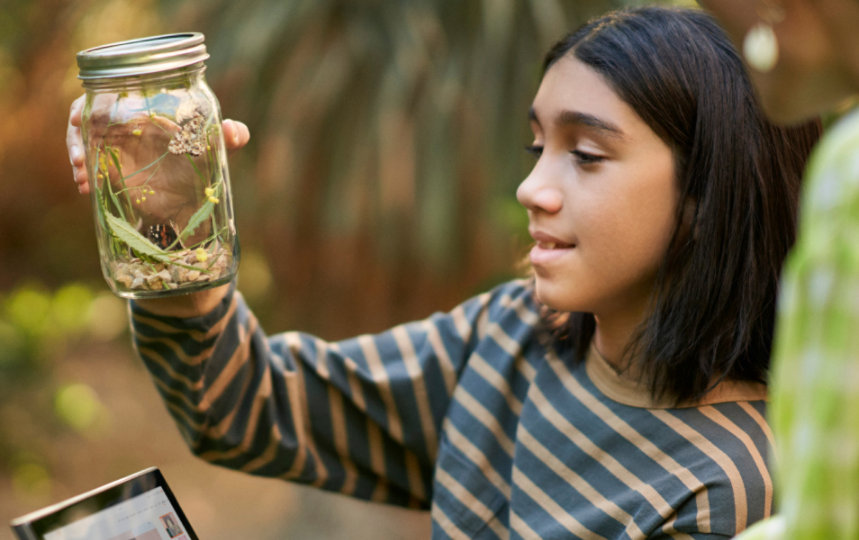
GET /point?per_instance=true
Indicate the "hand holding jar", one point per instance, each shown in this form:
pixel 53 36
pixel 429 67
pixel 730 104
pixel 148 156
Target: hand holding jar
pixel 236 135
pixel 156 167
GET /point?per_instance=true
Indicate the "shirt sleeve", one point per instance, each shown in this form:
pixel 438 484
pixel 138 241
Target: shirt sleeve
pixel 360 416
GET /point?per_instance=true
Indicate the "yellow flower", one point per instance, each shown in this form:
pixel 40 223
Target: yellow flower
pixel 209 191
pixel 138 132
pixel 201 254
pixel 214 200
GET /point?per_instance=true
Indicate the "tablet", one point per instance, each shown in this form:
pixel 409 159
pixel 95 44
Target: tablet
pixel 137 507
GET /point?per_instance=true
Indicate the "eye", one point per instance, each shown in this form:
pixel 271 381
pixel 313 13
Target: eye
pixel 534 149
pixel 586 158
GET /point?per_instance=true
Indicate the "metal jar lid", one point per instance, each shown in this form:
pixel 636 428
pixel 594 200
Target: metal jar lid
pixel 142 56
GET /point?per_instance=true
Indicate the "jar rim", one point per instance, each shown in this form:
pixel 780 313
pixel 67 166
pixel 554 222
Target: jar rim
pixel 142 56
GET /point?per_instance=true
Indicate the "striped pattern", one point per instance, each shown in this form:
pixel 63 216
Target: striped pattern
pixel 468 414
pixel 815 408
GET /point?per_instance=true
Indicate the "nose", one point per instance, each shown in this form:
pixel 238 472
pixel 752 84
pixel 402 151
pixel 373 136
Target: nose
pixel 539 193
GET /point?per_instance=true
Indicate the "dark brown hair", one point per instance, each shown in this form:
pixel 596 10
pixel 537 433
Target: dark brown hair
pixel 713 306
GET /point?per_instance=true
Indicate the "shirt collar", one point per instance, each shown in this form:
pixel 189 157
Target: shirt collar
pixel 627 390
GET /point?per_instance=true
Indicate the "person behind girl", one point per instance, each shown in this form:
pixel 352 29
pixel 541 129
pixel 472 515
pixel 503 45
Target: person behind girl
pixel 803 55
pixel 616 392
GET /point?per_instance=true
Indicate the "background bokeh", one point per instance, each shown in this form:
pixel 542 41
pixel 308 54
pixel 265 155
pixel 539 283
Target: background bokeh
pixel 378 187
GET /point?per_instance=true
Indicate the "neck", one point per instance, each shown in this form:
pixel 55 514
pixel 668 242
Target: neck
pixel 611 337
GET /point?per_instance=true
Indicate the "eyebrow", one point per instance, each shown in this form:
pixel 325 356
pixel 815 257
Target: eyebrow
pixel 567 117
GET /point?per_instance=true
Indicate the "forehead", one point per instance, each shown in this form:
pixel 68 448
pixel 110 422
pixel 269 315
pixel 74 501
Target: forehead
pixel 572 86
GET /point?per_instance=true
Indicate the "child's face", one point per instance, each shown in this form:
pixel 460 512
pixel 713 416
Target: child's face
pixel 601 198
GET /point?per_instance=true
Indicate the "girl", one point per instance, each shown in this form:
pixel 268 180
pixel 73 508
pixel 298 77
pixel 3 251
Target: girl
pixel 617 392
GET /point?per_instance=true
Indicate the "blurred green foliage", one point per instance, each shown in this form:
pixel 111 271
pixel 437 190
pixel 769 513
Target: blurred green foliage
pixel 38 325
pixel 35 322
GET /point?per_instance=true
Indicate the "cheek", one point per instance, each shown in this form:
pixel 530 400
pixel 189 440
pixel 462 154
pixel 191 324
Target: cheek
pixel 639 230
pixel 635 248
pixel 644 217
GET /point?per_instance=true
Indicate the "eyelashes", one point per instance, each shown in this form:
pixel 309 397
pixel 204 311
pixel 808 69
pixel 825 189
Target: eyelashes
pixel 582 158
pixel 586 158
pixel 534 149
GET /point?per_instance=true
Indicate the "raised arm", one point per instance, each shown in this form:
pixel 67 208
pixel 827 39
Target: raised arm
pixel 360 416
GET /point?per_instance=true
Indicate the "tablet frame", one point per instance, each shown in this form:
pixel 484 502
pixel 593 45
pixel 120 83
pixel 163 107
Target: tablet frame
pixel 35 525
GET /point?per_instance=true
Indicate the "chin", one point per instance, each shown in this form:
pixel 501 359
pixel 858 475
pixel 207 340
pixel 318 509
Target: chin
pixel 558 300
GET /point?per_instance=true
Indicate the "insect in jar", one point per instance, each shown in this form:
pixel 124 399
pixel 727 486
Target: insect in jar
pixel 164 236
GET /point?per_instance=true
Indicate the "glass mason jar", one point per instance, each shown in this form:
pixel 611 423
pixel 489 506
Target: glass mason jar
pixel 157 167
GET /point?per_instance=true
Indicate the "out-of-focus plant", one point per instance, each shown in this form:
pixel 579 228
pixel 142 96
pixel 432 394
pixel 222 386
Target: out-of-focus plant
pixel 78 406
pixel 34 321
pixel 38 328
pixel 30 477
pixel 37 325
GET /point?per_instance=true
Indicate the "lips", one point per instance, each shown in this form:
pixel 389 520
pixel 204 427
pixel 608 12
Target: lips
pixel 548 248
pixel 547 240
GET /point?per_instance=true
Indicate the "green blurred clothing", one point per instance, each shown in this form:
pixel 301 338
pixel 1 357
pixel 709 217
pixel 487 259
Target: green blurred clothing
pixel 815 378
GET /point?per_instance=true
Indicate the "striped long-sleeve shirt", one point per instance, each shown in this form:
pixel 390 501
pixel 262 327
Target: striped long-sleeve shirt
pixel 470 413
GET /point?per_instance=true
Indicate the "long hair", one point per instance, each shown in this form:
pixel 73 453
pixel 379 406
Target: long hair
pixel 713 305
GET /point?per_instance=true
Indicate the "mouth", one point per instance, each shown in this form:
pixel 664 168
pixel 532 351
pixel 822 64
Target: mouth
pixel 554 245
pixel 549 251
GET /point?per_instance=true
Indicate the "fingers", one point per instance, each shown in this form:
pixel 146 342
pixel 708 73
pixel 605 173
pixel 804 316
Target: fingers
pixel 74 145
pixel 76 110
pixel 236 134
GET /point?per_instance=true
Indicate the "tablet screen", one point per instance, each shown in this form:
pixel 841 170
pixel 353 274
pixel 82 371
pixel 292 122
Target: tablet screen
pixel 138 507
